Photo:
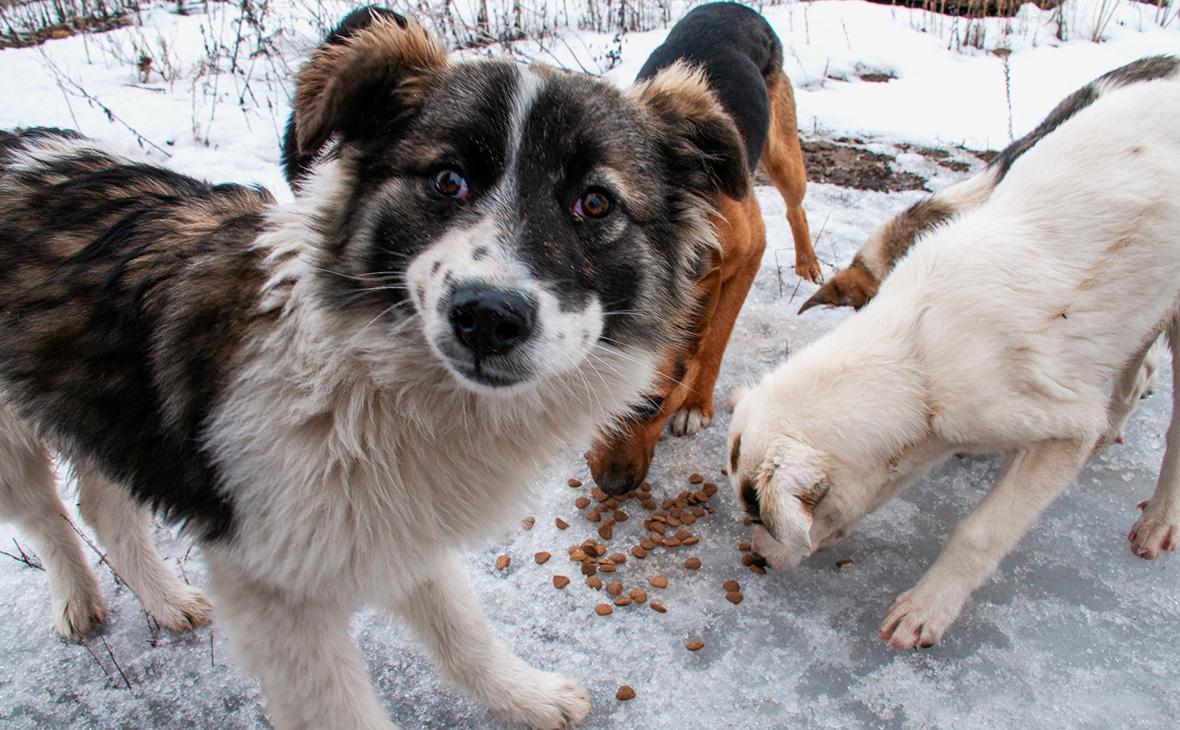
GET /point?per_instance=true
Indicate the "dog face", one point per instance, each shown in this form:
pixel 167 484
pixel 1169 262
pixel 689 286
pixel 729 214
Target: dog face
pixel 522 216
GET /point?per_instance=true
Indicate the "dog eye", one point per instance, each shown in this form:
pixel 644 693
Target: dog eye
pixel 593 204
pixel 451 184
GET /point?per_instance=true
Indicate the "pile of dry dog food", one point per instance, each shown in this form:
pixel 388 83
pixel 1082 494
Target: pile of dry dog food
pixel 604 567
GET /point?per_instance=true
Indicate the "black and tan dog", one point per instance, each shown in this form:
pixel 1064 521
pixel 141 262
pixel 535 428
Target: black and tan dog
pixel 742 59
pixel 481 265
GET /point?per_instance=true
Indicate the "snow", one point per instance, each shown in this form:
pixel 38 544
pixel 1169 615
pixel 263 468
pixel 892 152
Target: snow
pixel 1072 631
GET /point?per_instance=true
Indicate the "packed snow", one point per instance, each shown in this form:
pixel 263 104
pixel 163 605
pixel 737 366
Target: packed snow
pixel 1072 631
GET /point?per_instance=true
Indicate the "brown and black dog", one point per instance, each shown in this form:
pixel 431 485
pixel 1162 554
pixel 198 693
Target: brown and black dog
pixel 742 59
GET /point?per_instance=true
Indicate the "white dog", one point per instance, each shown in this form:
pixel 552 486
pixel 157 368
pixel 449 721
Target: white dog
pixel 999 332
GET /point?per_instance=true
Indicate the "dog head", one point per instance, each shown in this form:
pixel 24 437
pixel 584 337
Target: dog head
pixel 521 216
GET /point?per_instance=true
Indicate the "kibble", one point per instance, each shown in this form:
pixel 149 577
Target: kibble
pixel 744 547
pixel 734 597
pixel 731 586
pixel 603 609
pixel 589 568
pixel 658 607
pixel 594 582
pixel 503 562
pixel 575 483
pixel 621 516
pixel 606 532
pixel 578 555
pixel 542 557
pixel 638 552
pixel 623 601
pixel 614 588
pixel 625 692
pixel 599 495
pixel 647 544
pixel 758 569
pixel 638 595
pixel 695 645
pixel 618 558
pixel 561 524
pixel 693 563
pixel 747 560
pixel 528 522
pixel 560 581
pixel 695 478
pixel 659 581
pixel 582 502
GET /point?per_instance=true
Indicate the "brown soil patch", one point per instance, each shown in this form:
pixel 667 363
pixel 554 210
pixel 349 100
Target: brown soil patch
pixel 850 166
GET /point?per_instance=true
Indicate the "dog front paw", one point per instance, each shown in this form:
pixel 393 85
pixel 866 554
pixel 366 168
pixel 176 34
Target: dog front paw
pixel 808 268
pixel 918 619
pixel 77 614
pixel 181 608
pixel 687 421
pixel 1155 531
pixel 541 700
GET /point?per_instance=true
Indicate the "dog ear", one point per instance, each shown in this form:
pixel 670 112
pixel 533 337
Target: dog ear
pixel 700 140
pixel 852 287
pixel 789 485
pixel 366 76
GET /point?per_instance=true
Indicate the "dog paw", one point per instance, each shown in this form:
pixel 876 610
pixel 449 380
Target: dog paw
pixel 916 620
pixel 182 608
pixel 78 614
pixel 1154 532
pixel 543 701
pixel 687 421
pixel 809 269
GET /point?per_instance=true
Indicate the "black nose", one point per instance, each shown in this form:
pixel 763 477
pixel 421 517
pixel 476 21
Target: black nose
pixel 490 321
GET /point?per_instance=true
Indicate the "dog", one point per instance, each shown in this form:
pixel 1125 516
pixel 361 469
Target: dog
pixel 857 284
pixel 335 395
pixel 1000 331
pixel 742 59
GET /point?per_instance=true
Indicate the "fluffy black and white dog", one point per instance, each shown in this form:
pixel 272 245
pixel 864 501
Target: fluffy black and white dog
pixel 337 394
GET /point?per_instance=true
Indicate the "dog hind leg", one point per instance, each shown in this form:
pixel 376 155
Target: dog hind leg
pixel 1158 527
pixel 782 159
pixel 1030 479
pixel 443 615
pixel 1137 377
pixel 28 496
pixel 123 529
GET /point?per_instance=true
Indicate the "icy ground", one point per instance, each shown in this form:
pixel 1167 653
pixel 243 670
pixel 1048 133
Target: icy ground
pixel 1072 631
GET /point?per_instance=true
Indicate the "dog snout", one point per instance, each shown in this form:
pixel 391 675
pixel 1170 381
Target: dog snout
pixel 491 321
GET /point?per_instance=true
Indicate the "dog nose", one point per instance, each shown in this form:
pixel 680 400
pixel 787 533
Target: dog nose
pixel 491 321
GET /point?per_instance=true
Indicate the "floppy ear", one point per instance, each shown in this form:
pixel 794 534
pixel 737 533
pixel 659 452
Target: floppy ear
pixel 789 484
pixel 700 141
pixel 366 76
pixel 852 287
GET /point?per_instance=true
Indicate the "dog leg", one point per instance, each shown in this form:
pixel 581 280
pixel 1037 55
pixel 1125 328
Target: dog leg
pixel 744 238
pixel 1030 479
pixel 782 158
pixel 299 649
pixel 443 614
pixel 1137 377
pixel 1158 528
pixel 123 529
pixel 28 497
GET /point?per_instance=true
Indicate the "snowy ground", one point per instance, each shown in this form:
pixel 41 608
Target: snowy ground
pixel 1073 631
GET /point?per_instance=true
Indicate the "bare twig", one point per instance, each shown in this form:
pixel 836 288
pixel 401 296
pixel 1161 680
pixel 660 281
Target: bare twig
pixel 102 557
pixel 98 662
pixel 24 557
pixel 115 661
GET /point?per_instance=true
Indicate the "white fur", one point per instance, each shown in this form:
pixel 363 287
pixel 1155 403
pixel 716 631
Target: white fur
pixel 1001 331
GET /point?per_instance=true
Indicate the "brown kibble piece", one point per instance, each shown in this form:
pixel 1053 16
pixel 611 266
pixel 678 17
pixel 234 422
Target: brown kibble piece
pixel 594 515
pixel 758 569
pixel 693 563
pixel 575 483
pixel 578 555
pixel 614 588
pixel 659 581
pixel 731 586
pixel 690 540
pixel 744 547
pixel 695 478
pixel 603 609
pixel 528 522
pixel 503 562
pixel 561 524
pixel 734 597
pixel 625 692
pixel 542 557
pixel 607 567
pixel 658 607
pixel 622 601
pixel 582 502
pixel 589 568
pixel 638 595
pixel 671 542
pixel 606 532
pixel 747 560
pixel 695 645
pixel 599 495
pixel 710 489
pixel 594 582
pixel 618 558
pixel 621 516
pixel 638 552
pixel 647 544
pixel 560 581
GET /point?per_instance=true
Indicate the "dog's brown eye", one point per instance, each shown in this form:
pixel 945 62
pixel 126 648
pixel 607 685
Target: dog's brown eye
pixel 450 184
pixel 592 204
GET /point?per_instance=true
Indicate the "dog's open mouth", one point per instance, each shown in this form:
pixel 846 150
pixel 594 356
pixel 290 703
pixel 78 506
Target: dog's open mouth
pixel 484 374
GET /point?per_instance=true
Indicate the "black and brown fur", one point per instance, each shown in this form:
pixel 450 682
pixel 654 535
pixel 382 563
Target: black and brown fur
pixel 741 57
pixel 857 284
